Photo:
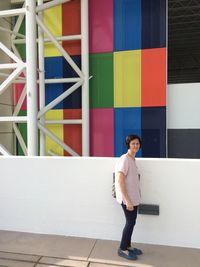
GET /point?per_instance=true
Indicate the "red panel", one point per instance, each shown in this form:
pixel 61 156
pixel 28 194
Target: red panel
pixel 71 25
pixel 73 133
pixel 18 88
pixel 153 77
pixel 102 132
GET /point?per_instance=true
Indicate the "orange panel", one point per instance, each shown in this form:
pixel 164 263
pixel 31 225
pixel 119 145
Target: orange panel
pixel 71 24
pixel 153 77
pixel 73 133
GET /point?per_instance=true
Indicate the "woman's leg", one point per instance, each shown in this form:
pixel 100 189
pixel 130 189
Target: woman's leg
pixel 128 228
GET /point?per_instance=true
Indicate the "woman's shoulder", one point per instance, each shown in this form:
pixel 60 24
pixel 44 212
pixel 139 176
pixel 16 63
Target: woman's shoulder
pixel 123 157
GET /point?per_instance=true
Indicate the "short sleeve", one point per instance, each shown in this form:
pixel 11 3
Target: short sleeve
pixel 122 165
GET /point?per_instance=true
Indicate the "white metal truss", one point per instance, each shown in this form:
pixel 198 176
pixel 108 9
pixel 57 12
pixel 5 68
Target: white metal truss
pixel 18 67
pixel 33 11
pixel 4 151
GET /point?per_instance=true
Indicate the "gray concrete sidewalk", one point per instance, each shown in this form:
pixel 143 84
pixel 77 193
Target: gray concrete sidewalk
pixel 35 250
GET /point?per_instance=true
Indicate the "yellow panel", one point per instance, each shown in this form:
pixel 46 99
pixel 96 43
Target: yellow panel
pixel 127 79
pixel 55 129
pixel 53 21
pixel 51 51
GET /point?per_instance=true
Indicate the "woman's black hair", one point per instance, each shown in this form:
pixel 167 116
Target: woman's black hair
pixel 131 137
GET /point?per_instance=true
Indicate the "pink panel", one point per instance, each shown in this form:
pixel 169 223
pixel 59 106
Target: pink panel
pixel 102 132
pixel 101 25
pixel 18 88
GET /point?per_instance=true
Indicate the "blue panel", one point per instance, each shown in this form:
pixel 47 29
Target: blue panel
pixel 74 99
pixel 153 23
pixel 153 132
pixel 126 121
pixel 127 25
pixel 53 69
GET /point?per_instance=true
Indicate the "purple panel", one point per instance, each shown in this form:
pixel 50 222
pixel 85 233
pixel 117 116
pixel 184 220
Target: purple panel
pixel 101 26
pixel 102 132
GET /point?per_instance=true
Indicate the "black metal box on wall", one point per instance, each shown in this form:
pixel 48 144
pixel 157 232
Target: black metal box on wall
pixel 149 209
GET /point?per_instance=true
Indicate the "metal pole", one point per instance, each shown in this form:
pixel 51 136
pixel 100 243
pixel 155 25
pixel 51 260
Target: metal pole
pixel 47 81
pixel 17 25
pixel 62 80
pixel 59 47
pixel 18 119
pixel 47 40
pixel 10 79
pixel 57 140
pixel 20 139
pixel 20 102
pixel 85 70
pixel 12 32
pixel 10 53
pixel 41 79
pixel 63 122
pixel 51 4
pixel 12 12
pixel 8 66
pixel 59 99
pixel 31 77
pixel 4 151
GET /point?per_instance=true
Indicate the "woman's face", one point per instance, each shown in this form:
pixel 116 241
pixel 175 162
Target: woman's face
pixel 134 145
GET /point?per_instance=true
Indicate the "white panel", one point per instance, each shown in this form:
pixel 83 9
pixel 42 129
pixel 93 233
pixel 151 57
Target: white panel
pixel 183 108
pixel 72 196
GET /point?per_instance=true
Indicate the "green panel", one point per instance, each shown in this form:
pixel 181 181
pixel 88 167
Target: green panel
pixel 21 47
pixel 101 83
pixel 23 130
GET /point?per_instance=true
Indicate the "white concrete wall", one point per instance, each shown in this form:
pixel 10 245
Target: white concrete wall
pixel 183 106
pixel 72 196
pixel 6 99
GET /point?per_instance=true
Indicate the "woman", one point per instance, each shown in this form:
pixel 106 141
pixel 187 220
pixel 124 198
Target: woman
pixel 128 194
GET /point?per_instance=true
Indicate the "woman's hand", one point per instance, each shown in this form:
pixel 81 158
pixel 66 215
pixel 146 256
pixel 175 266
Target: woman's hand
pixel 129 206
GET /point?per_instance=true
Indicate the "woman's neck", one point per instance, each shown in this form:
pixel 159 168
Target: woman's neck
pixel 131 154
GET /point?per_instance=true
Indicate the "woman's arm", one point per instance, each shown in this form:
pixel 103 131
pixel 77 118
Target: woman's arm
pixel 122 186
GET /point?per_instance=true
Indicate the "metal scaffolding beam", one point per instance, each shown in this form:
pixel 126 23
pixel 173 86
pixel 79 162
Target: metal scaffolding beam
pixel 85 70
pixel 31 78
pixel 32 10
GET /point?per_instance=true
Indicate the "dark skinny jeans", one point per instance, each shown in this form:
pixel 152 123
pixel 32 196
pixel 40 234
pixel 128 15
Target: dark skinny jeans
pixel 128 228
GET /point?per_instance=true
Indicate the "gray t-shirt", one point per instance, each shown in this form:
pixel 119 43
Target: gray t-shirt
pixel 128 167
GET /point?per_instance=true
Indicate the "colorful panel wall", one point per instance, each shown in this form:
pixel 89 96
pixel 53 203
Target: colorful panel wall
pixel 101 26
pixel 127 25
pixel 127 44
pixel 135 84
pixel 102 132
pixel 127 120
pixel 57 130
